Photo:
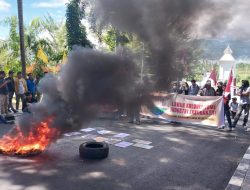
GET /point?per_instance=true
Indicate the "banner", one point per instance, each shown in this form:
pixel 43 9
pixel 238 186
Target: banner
pixel 203 110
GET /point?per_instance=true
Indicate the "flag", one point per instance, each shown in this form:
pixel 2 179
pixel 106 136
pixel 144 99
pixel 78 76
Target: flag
pixel 64 59
pixel 229 83
pixel 213 76
pixel 41 55
pixel 234 86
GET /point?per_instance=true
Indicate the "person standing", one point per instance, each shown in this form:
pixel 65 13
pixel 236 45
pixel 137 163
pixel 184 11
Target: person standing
pixel 174 87
pixel 194 88
pixel 184 88
pixel 11 90
pixel 134 105
pixel 31 85
pixel 3 95
pixel 208 90
pixel 219 90
pixel 38 94
pixel 244 103
pixel 20 89
pixel 226 99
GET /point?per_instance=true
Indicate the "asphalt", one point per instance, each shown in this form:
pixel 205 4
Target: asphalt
pixel 183 157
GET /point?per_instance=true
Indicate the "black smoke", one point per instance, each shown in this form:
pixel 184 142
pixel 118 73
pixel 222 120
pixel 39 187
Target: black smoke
pixel 88 81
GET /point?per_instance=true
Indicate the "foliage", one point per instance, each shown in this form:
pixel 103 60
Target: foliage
pixel 10 49
pixel 242 72
pixel 76 32
pixel 114 38
pixel 46 33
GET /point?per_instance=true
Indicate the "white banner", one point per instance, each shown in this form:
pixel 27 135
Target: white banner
pixel 204 110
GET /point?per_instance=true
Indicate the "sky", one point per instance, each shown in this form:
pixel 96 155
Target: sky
pixel 226 20
pixel 32 9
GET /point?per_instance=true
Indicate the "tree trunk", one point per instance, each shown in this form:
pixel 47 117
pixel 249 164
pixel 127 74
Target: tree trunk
pixel 21 34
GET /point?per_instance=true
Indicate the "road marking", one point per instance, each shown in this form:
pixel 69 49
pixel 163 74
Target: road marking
pixel 237 181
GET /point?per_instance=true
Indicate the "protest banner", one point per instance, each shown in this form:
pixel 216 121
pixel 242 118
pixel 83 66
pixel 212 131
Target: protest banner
pixel 203 110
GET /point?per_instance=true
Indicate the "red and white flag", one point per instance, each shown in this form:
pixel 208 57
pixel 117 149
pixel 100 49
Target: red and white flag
pixel 229 83
pixel 213 76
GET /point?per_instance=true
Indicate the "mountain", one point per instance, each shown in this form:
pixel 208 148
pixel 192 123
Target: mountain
pixel 213 49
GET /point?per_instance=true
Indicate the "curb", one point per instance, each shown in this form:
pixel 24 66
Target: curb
pixel 241 177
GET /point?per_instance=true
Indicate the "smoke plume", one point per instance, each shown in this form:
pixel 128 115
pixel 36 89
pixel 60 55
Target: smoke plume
pixel 90 79
pixel 164 26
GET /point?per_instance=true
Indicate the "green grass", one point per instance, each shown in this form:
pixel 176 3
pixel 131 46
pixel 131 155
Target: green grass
pixel 242 73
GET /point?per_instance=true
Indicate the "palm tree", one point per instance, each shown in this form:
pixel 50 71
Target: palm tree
pixel 21 34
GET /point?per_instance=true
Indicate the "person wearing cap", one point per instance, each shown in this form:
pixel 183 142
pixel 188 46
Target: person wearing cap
pixel 194 88
pixel 233 107
pixel 11 90
pixel 208 90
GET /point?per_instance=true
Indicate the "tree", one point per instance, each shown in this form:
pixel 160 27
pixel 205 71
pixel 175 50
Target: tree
pixel 10 48
pixel 21 34
pixel 46 33
pixel 76 32
pixel 114 37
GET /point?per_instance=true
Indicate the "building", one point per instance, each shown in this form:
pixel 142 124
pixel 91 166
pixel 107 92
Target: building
pixel 226 63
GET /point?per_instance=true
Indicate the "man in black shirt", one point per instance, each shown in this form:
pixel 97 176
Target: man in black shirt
pixel 219 91
pixel 11 89
pixel 28 100
pixel 3 94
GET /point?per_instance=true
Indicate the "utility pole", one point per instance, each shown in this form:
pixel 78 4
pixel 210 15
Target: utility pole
pixel 142 61
pixel 21 34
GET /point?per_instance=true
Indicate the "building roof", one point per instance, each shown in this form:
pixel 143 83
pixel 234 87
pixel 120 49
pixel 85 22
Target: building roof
pixel 227 55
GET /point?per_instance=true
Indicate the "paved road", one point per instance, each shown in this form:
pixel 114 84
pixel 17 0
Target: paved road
pixel 183 157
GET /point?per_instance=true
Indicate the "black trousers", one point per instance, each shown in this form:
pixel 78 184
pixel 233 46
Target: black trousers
pixel 10 105
pixel 241 108
pixel 227 114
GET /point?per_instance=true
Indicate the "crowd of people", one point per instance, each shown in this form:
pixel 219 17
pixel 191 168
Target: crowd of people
pixel 24 90
pixel 232 109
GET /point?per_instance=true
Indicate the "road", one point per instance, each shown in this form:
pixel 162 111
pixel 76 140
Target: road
pixel 184 157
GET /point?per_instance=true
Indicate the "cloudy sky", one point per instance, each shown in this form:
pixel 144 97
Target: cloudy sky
pixel 228 19
pixel 32 9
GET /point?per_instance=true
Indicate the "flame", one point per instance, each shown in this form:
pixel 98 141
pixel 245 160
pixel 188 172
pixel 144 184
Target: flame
pixel 35 141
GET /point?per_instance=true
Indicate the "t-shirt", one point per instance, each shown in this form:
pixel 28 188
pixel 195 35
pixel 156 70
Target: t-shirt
pixel 234 106
pixel 21 87
pixel 31 86
pixel 193 90
pixel 11 85
pixel 4 89
pixel 208 92
pixel 245 99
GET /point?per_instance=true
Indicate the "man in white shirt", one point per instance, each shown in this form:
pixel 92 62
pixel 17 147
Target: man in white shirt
pixel 244 104
pixel 20 89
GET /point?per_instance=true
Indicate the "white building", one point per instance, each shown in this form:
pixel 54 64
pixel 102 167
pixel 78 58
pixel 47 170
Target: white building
pixel 226 63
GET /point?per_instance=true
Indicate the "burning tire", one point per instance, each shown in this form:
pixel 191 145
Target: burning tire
pixel 94 150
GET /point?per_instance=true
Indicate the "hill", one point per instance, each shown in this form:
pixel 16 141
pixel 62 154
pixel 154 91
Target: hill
pixel 213 49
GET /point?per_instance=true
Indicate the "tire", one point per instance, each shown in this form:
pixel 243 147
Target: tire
pixel 94 150
pixel 9 117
